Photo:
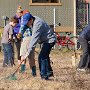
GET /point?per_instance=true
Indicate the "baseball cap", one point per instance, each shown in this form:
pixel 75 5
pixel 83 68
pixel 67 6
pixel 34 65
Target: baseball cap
pixel 25 18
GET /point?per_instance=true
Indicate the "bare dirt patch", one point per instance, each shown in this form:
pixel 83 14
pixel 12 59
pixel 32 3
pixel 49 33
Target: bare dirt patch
pixel 65 76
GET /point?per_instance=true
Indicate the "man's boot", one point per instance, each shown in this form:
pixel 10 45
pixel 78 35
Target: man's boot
pixel 23 67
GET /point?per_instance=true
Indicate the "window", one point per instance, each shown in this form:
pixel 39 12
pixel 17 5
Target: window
pixel 82 13
pixel 45 2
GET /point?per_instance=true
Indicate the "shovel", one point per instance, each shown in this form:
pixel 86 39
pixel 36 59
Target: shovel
pixel 12 76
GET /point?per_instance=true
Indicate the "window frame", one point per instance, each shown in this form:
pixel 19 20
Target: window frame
pixel 44 4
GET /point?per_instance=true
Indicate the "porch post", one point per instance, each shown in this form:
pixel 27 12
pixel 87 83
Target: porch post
pixel 74 33
pixel 54 17
pixel 74 17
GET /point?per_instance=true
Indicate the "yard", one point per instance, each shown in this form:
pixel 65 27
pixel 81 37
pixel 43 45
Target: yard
pixel 65 75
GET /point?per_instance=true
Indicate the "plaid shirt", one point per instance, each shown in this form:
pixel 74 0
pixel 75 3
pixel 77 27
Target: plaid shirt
pixel 25 31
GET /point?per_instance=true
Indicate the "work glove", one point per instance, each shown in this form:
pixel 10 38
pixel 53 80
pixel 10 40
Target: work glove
pixel 19 35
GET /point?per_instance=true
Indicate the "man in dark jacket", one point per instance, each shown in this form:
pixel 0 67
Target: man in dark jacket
pixel 84 39
pixel 41 33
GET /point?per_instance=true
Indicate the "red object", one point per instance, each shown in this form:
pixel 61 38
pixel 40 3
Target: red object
pixel 87 1
pixel 25 11
pixel 65 41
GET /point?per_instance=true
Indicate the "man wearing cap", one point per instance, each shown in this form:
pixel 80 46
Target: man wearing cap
pixel 42 34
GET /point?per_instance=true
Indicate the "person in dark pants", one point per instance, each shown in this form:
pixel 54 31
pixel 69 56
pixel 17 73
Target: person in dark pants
pixel 42 34
pixel 84 39
pixel 44 54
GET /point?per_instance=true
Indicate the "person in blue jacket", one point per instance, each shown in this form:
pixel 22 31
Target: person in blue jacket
pixel 84 39
pixel 42 34
pixel 16 31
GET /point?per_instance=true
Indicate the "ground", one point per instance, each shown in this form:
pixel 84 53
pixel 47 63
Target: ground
pixel 65 75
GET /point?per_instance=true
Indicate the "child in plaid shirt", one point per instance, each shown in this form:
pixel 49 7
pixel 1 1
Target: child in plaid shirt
pixel 26 33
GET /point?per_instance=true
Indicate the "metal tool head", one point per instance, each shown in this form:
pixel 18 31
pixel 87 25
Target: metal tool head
pixel 12 77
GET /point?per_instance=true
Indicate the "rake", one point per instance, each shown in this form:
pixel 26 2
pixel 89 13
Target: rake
pixel 13 76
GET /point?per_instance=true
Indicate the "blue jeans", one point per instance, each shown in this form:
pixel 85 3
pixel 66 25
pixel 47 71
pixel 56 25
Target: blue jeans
pixel 85 58
pixel 44 60
pixel 8 53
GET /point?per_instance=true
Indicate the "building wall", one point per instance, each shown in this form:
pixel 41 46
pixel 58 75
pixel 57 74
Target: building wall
pixel 64 13
pixel 8 8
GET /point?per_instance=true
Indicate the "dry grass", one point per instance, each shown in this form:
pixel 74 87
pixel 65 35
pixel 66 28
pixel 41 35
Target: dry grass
pixel 65 76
